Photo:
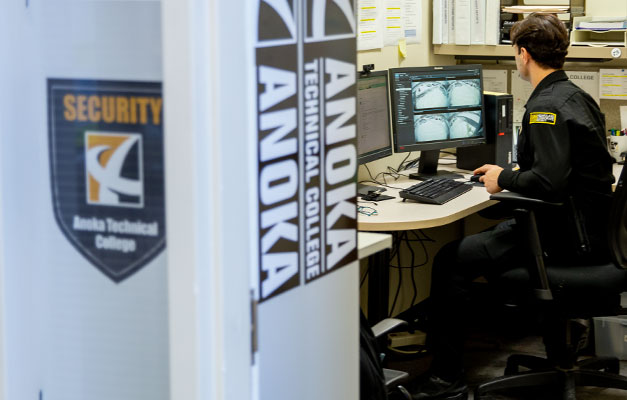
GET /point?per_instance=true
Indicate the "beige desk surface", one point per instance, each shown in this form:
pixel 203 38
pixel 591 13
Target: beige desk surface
pixel 396 215
pixel 369 243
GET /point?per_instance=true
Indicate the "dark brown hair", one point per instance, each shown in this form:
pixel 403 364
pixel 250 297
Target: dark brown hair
pixel 544 36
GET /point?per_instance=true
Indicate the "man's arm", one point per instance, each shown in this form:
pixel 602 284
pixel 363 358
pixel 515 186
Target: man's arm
pixel 549 141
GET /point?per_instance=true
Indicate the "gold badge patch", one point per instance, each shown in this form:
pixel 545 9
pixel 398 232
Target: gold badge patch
pixel 542 118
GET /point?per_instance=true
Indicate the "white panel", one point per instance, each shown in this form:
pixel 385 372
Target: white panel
pixel 208 159
pixel 308 338
pixel 70 332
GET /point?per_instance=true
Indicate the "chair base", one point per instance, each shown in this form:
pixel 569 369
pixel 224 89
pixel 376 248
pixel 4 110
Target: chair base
pixel 599 372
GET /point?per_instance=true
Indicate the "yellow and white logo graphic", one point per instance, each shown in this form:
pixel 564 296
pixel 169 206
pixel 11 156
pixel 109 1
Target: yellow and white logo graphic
pixel 114 169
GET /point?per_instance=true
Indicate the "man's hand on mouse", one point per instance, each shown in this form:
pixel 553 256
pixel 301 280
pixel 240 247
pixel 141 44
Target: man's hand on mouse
pixel 490 177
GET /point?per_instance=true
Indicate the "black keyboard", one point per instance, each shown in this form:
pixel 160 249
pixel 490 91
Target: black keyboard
pixel 435 190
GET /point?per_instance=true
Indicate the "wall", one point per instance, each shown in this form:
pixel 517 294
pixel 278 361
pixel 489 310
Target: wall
pixel 389 57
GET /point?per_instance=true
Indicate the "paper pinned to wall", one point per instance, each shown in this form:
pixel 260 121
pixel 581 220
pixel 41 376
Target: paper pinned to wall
pixel 613 84
pixel 521 90
pixel 587 80
pixel 623 117
pixel 369 25
pixel 495 80
pixel 412 16
pixel 393 22
pixel 385 22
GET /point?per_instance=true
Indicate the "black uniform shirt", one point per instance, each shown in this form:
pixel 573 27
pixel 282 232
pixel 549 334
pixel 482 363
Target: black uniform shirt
pixel 562 149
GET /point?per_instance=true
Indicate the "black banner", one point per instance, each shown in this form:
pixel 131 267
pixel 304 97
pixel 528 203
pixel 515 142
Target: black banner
pixel 305 68
pixel 107 170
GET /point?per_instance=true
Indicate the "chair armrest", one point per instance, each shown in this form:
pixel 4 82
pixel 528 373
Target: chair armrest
pixel 519 200
pixel 387 325
pixel 524 210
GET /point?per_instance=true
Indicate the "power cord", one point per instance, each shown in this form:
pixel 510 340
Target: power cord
pixel 399 240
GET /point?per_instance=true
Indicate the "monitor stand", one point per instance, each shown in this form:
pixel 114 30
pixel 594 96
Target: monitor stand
pixel 428 167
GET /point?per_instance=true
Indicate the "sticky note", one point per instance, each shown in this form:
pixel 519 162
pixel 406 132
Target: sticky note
pixel 402 47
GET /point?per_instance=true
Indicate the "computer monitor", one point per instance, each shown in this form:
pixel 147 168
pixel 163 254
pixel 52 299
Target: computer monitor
pixel 373 117
pixel 374 140
pixel 434 108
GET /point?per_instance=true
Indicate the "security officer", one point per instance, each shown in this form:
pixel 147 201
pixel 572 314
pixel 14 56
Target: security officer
pixel 562 153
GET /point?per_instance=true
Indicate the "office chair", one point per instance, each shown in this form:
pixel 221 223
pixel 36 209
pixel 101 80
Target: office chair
pixel 371 360
pixel 568 294
pixel 393 378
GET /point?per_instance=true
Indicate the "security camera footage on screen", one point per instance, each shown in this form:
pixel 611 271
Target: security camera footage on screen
pixel 430 97
pixel 437 108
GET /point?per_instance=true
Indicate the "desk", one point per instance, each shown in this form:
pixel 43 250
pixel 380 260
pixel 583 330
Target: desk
pixel 376 246
pixel 396 215
pixel 369 243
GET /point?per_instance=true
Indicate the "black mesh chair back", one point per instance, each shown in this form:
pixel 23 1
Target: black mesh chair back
pixel 618 223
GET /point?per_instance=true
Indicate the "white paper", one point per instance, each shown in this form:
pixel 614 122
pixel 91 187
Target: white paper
pixel 521 90
pixel 412 16
pixel 623 117
pixel 587 80
pixel 393 22
pixel 613 84
pixel 516 128
pixel 369 25
pixel 495 80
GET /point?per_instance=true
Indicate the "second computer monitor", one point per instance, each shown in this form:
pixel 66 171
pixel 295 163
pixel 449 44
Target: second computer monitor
pixel 436 107
pixel 373 121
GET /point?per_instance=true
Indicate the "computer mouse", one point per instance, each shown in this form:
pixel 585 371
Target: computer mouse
pixel 475 178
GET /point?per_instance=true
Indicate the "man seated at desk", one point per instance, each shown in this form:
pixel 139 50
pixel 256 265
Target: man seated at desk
pixel 561 152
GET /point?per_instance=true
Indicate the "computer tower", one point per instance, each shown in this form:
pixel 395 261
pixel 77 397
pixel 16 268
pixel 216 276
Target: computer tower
pixel 499 109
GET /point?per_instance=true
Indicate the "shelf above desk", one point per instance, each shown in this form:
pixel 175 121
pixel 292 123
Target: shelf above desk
pixel 506 51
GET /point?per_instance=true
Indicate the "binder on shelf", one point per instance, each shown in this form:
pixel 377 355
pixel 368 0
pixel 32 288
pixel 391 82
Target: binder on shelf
pixel 477 21
pixel 446 14
pixel 462 21
pixel 492 21
pixel 451 21
pixel 437 22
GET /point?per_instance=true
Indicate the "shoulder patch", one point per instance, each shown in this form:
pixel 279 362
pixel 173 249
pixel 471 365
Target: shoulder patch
pixel 542 118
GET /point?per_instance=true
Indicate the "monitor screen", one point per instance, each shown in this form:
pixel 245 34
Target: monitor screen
pixel 437 107
pixel 373 117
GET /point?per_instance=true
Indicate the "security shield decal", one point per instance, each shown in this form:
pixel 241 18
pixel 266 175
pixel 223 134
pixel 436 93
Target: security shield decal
pixel 106 164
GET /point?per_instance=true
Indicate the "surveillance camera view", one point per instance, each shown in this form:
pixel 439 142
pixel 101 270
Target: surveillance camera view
pixel 437 105
pixel 441 94
pixel 428 127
